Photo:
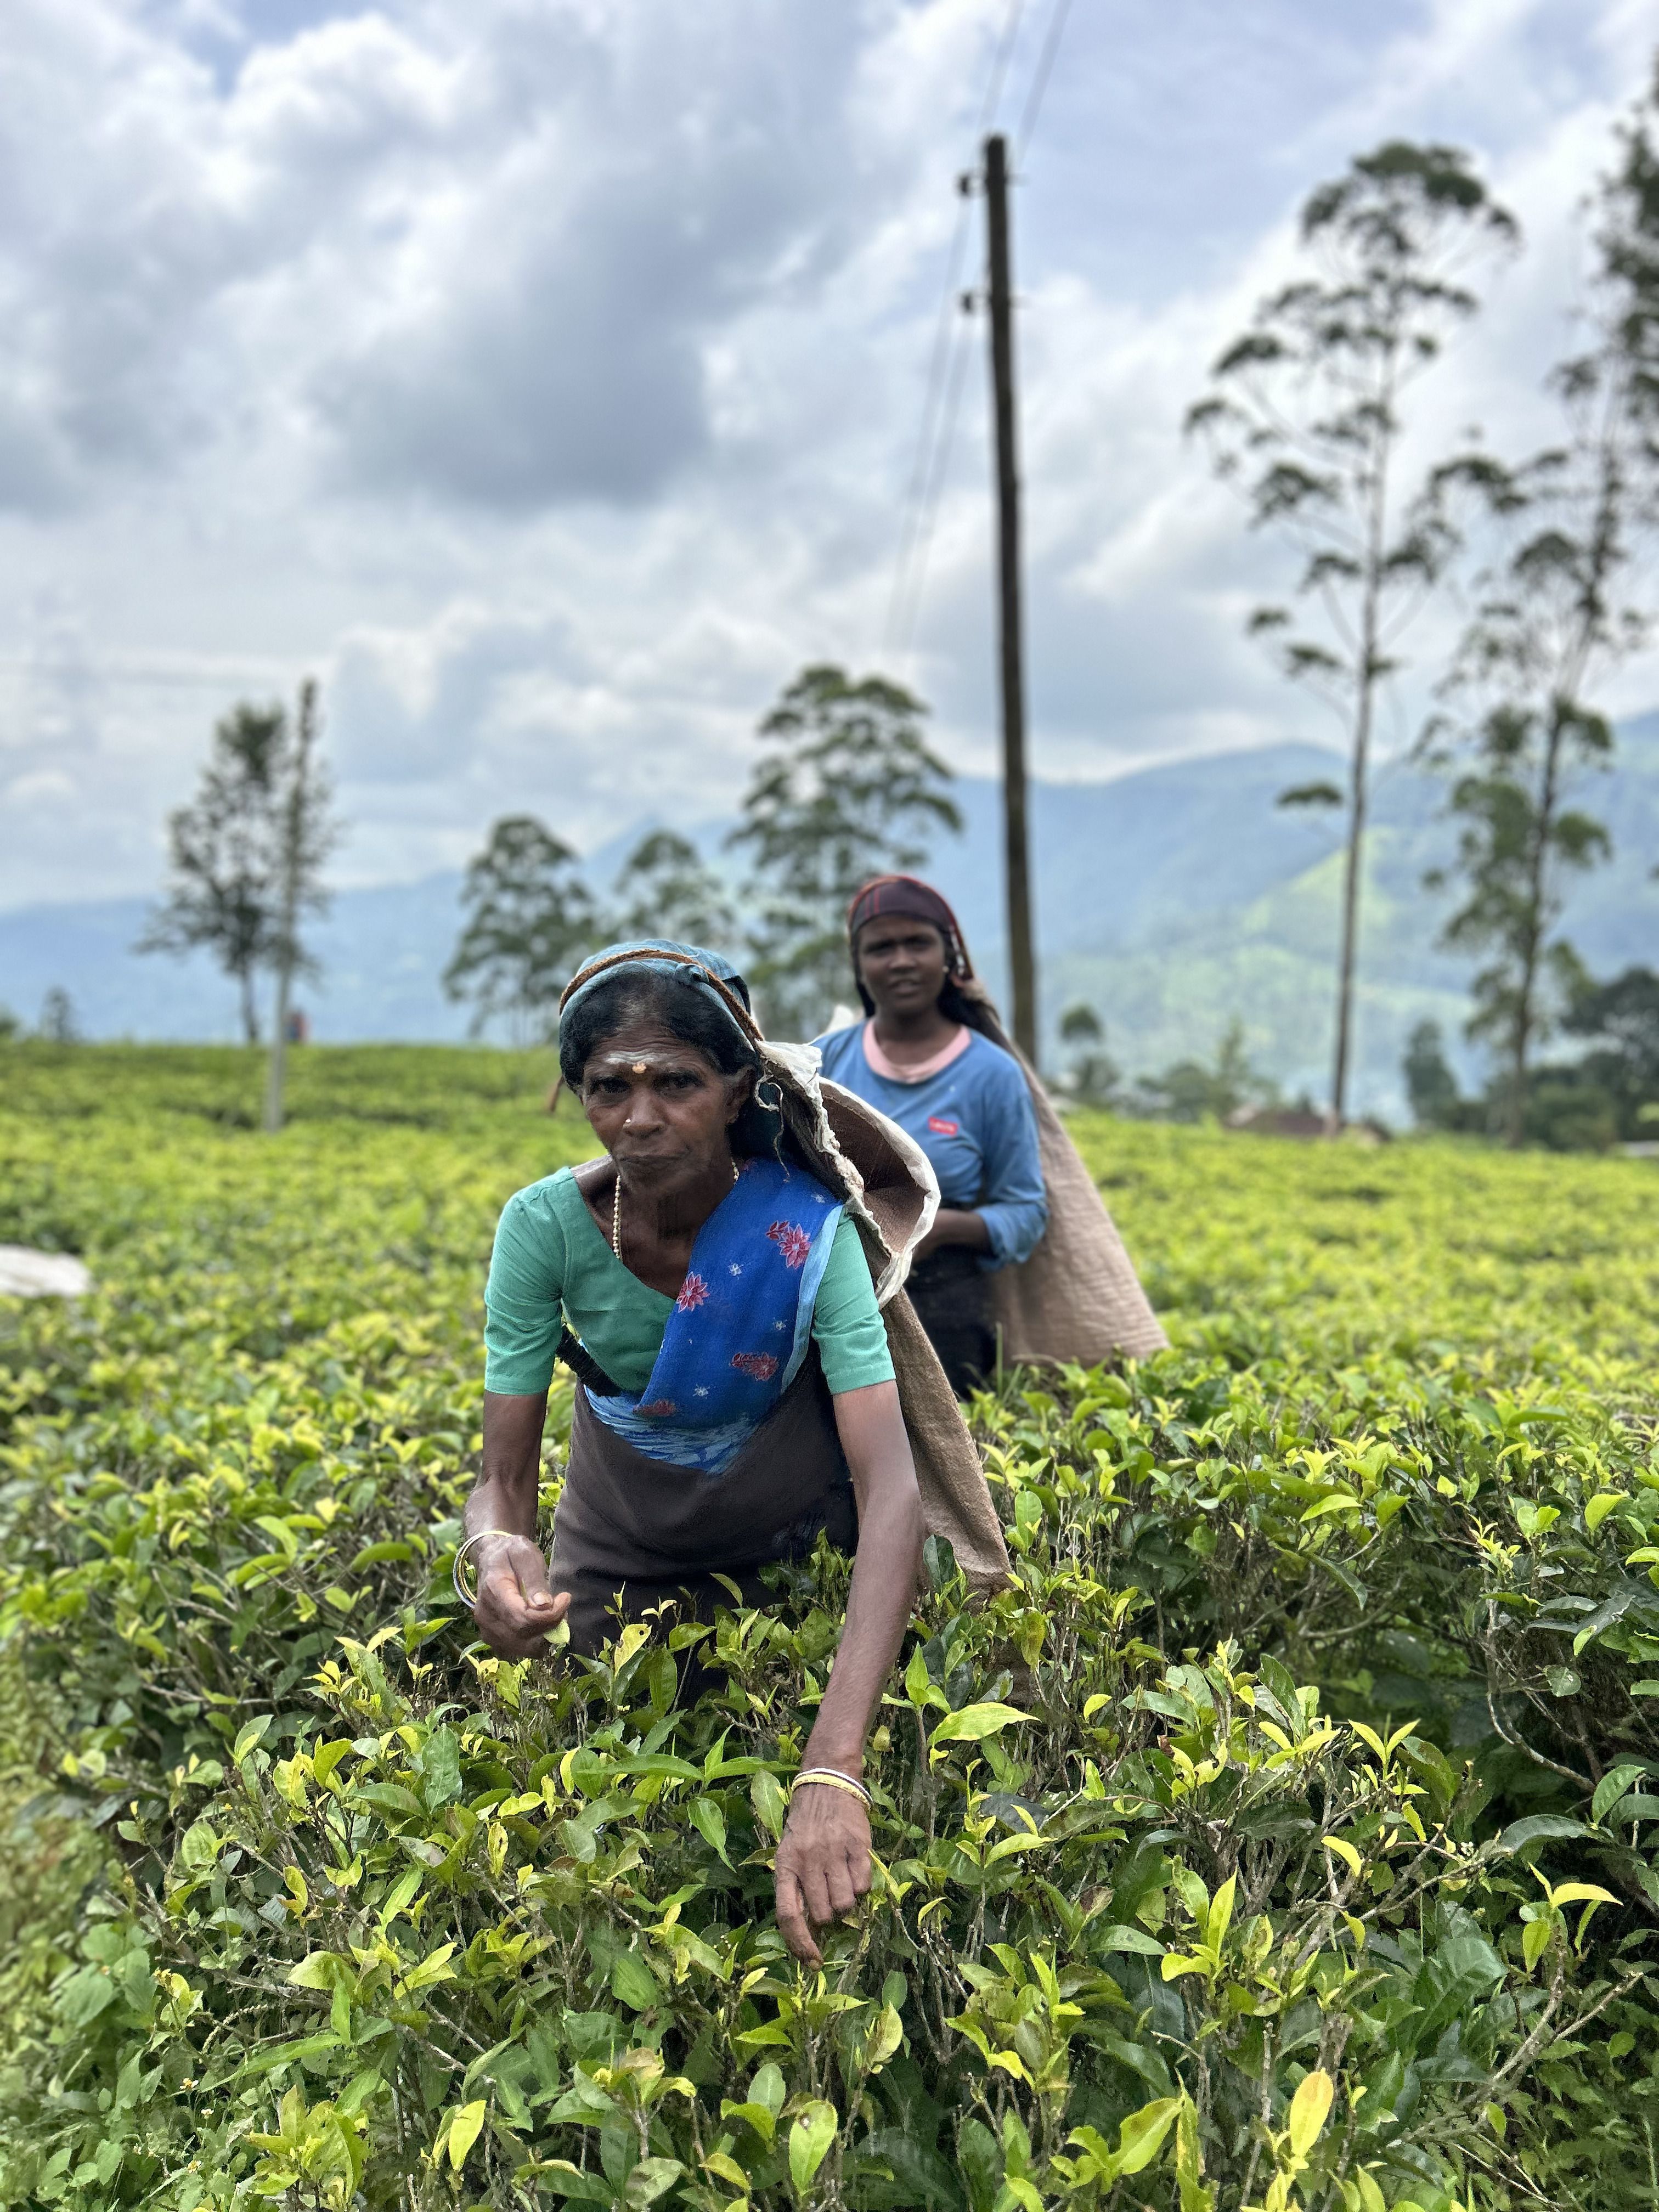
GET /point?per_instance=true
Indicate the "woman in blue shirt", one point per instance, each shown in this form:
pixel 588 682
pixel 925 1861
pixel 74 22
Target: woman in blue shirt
pixel 932 1058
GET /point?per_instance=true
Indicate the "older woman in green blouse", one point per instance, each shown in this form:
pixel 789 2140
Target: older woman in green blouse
pixel 738 1396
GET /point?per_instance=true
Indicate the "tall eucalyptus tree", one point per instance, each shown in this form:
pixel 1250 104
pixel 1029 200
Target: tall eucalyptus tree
pixel 1558 609
pixel 1308 417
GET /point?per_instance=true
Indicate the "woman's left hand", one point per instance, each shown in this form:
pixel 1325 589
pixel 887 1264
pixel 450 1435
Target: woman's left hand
pixel 823 1865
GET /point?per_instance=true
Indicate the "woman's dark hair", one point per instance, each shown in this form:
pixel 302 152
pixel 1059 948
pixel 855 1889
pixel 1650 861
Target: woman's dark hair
pixel 646 994
pixel 686 1012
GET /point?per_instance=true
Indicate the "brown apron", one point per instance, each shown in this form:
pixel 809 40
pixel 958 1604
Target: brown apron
pixel 632 1533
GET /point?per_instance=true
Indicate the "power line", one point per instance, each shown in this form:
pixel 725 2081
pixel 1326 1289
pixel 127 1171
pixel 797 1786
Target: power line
pixel 927 467
pixel 995 181
pixel 1000 67
pixel 936 486
pixel 922 467
pixel 936 436
pixel 25 668
pixel 1040 80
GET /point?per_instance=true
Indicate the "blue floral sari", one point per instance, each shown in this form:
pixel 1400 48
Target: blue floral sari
pixel 741 1326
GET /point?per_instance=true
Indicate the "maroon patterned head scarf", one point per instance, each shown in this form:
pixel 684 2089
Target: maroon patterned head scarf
pixel 918 902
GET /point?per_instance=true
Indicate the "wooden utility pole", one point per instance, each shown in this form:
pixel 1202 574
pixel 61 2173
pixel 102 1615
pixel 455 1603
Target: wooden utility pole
pixel 1022 961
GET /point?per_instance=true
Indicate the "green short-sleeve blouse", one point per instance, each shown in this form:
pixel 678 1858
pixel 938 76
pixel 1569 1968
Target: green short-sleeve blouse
pixel 551 1264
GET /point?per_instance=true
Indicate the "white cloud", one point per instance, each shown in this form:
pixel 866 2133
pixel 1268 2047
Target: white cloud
pixel 544 375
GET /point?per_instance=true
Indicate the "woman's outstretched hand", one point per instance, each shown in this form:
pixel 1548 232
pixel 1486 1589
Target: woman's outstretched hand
pixel 823 1867
pixel 515 1609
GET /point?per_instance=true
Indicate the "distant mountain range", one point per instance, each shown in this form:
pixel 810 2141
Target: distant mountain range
pixel 1171 900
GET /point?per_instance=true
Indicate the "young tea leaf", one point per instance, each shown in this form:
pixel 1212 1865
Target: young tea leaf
pixel 465 2130
pixel 810 2139
pixel 975 1722
pixel 1310 2108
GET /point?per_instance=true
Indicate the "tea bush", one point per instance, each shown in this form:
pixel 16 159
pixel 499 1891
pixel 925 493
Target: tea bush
pixel 1279 1840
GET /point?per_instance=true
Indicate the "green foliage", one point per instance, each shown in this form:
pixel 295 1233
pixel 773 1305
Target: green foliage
pixel 1429 1083
pixel 1516 845
pixel 1092 1076
pixel 1519 841
pixel 1564 1109
pixel 305 834
pixel 1321 793
pixel 53 1860
pixel 58 1021
pixel 246 855
pixel 844 789
pixel 529 919
pixel 1190 1091
pixel 1620 1021
pixel 1610 1093
pixel 667 891
pixel 1279 1840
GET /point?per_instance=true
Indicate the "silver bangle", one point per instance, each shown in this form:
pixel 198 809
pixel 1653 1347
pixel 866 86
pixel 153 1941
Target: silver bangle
pixel 469 1600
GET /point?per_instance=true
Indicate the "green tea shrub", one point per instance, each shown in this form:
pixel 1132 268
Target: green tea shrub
pixel 1278 1840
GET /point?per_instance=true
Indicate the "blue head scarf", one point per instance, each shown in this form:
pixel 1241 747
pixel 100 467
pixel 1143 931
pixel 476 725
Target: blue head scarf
pixel 712 977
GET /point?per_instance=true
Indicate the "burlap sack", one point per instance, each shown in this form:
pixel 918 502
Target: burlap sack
pixel 892 1195
pixel 956 1498
pixel 1078 1298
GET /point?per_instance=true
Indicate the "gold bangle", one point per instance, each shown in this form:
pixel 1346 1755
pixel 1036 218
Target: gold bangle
pixel 832 1778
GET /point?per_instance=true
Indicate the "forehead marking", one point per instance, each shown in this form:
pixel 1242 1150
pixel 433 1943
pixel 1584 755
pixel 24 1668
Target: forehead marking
pixel 641 1062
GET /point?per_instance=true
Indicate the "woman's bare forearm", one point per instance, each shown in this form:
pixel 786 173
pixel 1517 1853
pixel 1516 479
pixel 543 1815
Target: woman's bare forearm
pixel 957 1224
pixel 884 1572
pixel 878 1608
pixel 514 1609
pixel 509 1486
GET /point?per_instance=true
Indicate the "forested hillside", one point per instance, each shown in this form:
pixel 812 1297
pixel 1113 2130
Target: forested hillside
pixel 1171 899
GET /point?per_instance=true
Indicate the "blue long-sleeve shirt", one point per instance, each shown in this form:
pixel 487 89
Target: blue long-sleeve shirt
pixel 974 1121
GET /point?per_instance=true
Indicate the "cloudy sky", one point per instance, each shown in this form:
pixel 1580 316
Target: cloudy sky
pixel 546 375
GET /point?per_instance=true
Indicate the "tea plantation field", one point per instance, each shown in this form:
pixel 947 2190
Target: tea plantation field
pixel 1283 1839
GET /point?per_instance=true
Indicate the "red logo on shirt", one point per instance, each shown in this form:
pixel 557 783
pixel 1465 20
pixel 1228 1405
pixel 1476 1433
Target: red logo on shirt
pixel 941 1128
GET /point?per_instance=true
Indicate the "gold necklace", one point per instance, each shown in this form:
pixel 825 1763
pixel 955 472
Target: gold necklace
pixel 616 1211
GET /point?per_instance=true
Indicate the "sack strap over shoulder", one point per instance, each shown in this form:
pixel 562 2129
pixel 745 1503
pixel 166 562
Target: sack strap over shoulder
pixel 583 1365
